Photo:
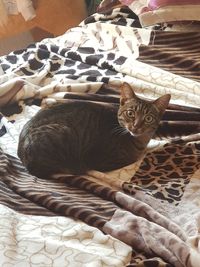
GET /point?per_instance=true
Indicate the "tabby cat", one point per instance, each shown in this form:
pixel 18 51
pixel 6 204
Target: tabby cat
pixel 79 136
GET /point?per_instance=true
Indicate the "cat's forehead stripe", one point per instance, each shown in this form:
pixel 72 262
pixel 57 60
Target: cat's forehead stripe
pixel 145 109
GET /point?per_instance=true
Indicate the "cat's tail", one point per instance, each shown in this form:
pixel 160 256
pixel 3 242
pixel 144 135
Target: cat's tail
pixel 101 178
pixel 59 176
pixel 106 179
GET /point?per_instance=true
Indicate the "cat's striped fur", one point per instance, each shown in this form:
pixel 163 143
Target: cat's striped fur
pixel 79 136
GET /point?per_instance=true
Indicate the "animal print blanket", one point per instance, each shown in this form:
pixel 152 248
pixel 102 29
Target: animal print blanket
pixel 144 215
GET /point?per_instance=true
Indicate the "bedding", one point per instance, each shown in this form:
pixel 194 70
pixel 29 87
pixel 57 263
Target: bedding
pixel 153 12
pixel 146 214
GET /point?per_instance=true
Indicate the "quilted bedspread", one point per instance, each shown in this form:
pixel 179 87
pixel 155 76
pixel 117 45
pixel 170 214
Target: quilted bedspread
pixel 146 214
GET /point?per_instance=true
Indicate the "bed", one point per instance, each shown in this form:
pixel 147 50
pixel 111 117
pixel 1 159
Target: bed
pixel 143 215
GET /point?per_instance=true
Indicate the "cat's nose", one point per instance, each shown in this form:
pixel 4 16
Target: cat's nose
pixel 136 125
pixel 134 128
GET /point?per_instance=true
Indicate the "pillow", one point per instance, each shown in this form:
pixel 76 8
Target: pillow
pixel 152 12
pixel 107 5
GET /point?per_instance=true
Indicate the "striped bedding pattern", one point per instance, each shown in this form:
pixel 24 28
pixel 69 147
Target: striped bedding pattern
pixel 173 51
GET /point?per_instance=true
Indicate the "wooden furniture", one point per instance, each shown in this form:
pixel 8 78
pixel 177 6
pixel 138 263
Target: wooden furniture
pixel 52 16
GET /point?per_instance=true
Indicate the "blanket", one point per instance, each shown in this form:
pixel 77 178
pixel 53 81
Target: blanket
pixel 150 209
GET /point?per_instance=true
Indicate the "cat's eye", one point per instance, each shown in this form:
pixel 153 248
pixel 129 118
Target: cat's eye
pixel 148 119
pixel 130 113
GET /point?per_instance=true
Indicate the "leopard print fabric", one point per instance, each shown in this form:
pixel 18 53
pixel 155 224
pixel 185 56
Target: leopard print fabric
pixel 164 173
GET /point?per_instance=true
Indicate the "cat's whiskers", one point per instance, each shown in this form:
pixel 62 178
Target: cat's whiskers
pixel 78 136
pixel 120 130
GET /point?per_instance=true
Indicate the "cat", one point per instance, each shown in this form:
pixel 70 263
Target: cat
pixel 79 136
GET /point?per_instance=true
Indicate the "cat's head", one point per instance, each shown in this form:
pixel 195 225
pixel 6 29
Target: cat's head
pixel 140 116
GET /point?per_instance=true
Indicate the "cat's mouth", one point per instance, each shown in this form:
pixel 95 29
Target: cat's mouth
pixel 135 132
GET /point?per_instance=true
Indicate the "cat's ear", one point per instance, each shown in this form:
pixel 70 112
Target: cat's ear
pixel 162 103
pixel 126 93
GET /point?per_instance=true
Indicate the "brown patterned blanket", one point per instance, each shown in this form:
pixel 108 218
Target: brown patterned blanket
pixel 147 214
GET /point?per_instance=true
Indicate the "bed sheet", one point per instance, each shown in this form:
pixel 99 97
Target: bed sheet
pixel 146 214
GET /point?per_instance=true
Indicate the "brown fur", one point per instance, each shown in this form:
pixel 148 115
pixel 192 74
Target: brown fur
pixel 78 136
